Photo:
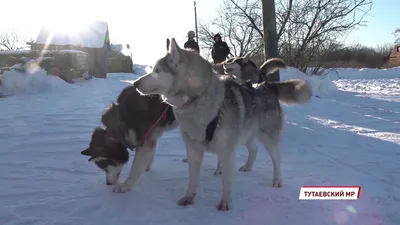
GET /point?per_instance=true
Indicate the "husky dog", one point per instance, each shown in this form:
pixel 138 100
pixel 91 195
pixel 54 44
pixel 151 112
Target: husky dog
pixel 199 98
pixel 128 122
pixel 242 69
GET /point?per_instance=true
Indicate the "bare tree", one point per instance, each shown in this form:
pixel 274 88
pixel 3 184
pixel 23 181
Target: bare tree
pixel 396 35
pixel 12 40
pixel 270 34
pixel 358 56
pixel 242 35
pixel 384 50
pixel 314 26
pixel 306 29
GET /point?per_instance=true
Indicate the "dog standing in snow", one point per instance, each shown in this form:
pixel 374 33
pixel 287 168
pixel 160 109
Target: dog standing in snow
pixel 236 114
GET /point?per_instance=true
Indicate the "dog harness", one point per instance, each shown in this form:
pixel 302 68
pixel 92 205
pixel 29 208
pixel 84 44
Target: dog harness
pixel 147 134
pixel 211 127
pixel 112 133
pixel 210 130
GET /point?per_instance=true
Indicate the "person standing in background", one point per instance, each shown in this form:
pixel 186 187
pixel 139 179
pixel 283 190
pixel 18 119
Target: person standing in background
pixel 220 50
pixel 191 43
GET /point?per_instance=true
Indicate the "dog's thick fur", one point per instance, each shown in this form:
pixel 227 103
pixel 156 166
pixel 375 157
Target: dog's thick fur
pixel 293 91
pixel 245 72
pixel 187 82
pixel 130 118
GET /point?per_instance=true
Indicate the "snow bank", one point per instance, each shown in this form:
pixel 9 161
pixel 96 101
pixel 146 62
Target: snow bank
pixel 319 84
pixel 331 81
pixel 387 87
pixel 34 82
pixel 364 73
pixel 39 81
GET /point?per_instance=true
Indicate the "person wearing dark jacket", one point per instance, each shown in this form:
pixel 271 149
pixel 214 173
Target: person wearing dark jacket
pixel 220 50
pixel 191 43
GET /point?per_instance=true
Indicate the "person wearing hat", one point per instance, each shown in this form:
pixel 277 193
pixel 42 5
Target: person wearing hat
pixel 220 50
pixel 191 43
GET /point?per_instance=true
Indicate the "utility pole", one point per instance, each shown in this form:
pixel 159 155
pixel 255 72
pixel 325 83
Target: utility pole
pixel 195 21
pixel 270 36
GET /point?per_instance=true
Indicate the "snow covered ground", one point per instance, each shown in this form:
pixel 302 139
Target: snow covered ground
pixel 348 135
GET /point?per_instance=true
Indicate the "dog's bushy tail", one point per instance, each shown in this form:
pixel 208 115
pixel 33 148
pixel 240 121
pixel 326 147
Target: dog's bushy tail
pixel 270 66
pixel 293 91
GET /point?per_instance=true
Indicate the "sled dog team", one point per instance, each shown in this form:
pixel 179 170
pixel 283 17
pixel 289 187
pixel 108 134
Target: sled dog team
pixel 215 113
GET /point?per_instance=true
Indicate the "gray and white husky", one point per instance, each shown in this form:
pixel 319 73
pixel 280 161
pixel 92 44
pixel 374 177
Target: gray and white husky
pixel 245 72
pixel 238 113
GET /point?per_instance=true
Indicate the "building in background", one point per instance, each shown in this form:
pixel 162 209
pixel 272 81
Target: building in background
pixel 93 39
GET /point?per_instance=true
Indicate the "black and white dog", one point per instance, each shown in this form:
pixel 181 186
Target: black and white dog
pixel 133 122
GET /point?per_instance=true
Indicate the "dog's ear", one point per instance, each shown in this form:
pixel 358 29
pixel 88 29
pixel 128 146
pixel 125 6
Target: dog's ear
pixel 86 152
pixel 168 43
pixel 98 139
pixel 174 51
pixel 89 152
pixel 98 133
pixel 246 58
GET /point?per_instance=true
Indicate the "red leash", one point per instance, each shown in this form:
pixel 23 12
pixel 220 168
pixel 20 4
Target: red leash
pixel 163 116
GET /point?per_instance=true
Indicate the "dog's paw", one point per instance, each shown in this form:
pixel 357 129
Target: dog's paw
pixel 185 200
pixel 184 160
pixel 245 168
pixel 217 172
pixel 223 205
pixel 122 188
pixel 277 183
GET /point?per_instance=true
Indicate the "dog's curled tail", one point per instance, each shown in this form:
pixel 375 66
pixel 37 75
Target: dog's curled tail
pixel 270 66
pixel 293 91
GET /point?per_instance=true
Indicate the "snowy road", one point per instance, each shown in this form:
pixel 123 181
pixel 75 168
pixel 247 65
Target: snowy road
pixel 345 137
